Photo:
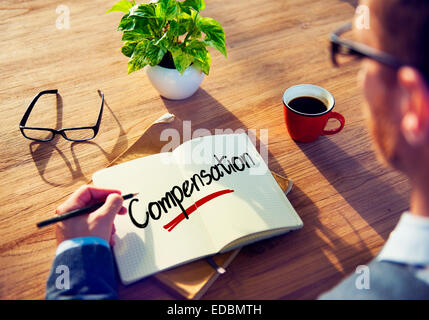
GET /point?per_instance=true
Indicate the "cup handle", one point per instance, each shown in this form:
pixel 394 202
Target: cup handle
pixel 340 118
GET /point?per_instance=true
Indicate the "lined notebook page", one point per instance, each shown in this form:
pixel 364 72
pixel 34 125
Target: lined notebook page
pixel 141 252
pixel 257 203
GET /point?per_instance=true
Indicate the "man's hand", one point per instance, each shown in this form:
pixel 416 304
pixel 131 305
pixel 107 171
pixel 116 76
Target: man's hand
pixel 95 224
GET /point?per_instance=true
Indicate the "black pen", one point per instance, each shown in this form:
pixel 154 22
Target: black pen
pixel 79 212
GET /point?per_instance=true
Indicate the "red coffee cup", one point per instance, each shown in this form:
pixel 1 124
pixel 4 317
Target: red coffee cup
pixel 307 127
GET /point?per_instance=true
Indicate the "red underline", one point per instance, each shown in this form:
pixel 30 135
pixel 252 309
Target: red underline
pixel 173 223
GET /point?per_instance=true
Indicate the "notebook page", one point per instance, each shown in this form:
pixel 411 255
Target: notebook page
pixel 143 251
pixel 254 203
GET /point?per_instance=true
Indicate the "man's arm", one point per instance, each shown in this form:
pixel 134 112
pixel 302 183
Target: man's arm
pixel 83 267
pixel 83 272
pixel 386 281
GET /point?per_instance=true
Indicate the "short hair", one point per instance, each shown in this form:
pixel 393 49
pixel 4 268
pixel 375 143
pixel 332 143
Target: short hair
pixel 404 31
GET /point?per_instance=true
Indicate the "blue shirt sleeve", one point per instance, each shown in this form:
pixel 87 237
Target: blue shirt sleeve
pixel 82 269
pixel 77 242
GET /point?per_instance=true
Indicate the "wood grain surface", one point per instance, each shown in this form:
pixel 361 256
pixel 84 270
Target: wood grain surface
pixel 348 202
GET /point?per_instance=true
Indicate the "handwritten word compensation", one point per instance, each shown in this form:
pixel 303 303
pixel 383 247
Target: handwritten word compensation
pixel 176 196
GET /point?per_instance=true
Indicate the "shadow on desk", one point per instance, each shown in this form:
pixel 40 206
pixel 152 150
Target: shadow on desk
pixel 205 112
pixel 335 257
pixel 299 265
pixel 353 3
pixel 371 197
pixel 45 152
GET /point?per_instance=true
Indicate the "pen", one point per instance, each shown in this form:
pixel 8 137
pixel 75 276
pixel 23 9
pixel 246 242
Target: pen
pixel 78 212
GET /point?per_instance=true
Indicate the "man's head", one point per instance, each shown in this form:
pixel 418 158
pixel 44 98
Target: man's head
pixel 398 100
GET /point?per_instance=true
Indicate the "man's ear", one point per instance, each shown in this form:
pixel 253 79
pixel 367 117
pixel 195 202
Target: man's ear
pixel 414 106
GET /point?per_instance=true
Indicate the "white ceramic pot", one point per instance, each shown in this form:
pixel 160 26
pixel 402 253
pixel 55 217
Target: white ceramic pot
pixel 172 85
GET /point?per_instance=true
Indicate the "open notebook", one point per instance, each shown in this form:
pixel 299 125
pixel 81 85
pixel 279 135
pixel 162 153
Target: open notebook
pixel 210 195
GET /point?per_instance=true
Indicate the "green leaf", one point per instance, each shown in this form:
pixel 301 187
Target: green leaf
pixel 182 8
pixel 122 6
pixel 215 44
pixel 182 60
pixel 201 55
pixel 144 10
pixel 165 40
pixel 154 53
pixel 144 26
pixel 133 36
pixel 135 65
pixel 215 36
pixel 190 21
pixel 147 12
pixel 128 48
pixel 176 28
pixel 140 31
pixel 195 34
pixel 127 23
pixel 197 49
pixel 185 22
pixel 195 4
pixel 204 66
pixel 138 59
pixel 167 9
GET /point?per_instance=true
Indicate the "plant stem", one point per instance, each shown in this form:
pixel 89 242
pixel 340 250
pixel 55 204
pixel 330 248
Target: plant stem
pixel 187 37
pixel 190 32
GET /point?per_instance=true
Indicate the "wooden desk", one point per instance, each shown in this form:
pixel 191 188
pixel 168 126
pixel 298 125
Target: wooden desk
pixel 349 202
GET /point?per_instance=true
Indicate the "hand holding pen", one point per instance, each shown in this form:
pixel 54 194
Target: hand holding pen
pixel 89 211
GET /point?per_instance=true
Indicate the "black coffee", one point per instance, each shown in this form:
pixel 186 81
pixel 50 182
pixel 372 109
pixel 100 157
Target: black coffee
pixel 308 105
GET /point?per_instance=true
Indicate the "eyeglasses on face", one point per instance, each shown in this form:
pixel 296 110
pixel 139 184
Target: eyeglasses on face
pixel 345 50
pixel 47 134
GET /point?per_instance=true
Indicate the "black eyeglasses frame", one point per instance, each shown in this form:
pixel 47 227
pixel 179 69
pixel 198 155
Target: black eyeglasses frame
pixel 62 131
pixel 359 50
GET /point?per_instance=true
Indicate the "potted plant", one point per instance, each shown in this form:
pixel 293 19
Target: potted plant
pixel 171 38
